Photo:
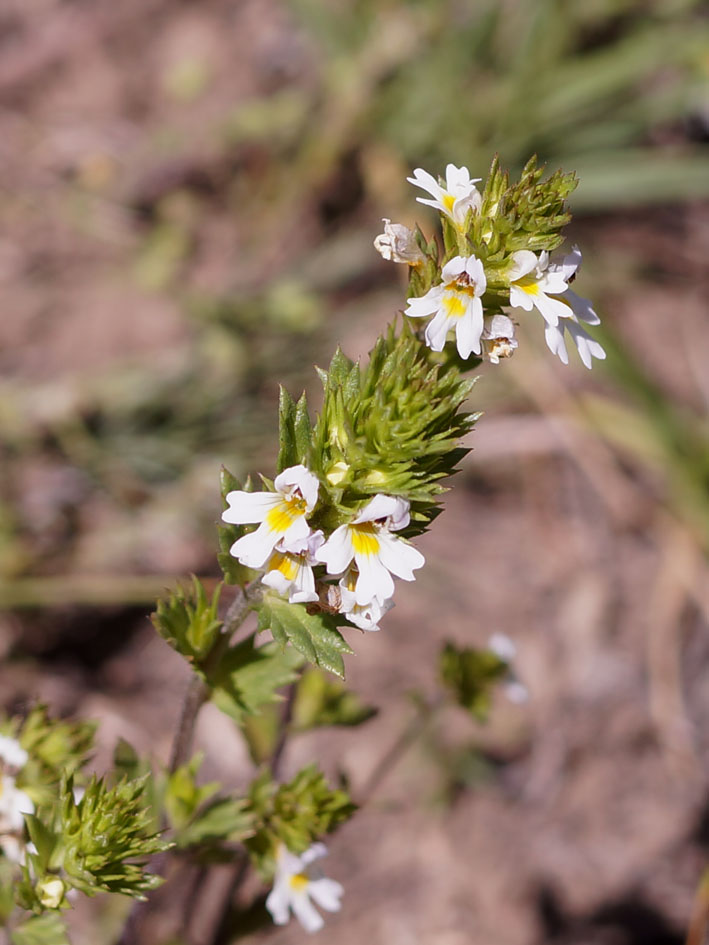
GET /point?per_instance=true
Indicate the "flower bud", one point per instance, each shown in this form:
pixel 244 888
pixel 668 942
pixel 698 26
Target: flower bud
pixel 51 892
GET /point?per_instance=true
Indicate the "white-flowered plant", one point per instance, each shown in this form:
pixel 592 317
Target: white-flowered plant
pixel 315 554
pixel 299 884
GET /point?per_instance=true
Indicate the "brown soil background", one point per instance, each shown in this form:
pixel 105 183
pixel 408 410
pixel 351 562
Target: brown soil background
pixel 585 822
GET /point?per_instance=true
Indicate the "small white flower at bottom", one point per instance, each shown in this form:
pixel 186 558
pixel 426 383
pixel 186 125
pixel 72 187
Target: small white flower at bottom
pixel 378 554
pixel 289 570
pixel 296 883
pixel 398 244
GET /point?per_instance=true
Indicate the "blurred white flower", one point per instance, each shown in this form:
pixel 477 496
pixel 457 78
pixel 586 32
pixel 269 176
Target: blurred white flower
pixel 297 884
pixel 504 648
pixel 12 754
pixel 398 244
pixel 281 514
pixel 14 804
pixel 533 283
pixel 455 199
pixel 455 304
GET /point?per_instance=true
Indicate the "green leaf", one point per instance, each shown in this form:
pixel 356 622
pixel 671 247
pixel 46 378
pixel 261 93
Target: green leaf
pixel 322 701
pixel 470 676
pixel 183 796
pixel 189 622
pixel 303 431
pixel 225 819
pixel 314 635
pixel 248 677
pixel 126 761
pixel 287 451
pixel 47 929
pixel 44 839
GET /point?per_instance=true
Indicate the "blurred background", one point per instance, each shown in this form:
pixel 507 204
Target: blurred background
pixel 189 194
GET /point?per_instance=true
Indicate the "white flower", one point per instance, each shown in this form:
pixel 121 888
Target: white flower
pixel 505 649
pixel 456 198
pixel 539 287
pixel 498 338
pixel 296 883
pixel 289 569
pixel 456 305
pixel 281 514
pixel 365 616
pixel 14 804
pixel 377 553
pixel 533 282
pixel 398 244
pixel 12 754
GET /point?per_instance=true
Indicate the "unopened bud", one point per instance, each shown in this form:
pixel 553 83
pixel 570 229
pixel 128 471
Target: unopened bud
pixel 51 892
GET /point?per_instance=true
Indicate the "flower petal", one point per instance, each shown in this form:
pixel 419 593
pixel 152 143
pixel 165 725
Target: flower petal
pixel 278 902
pixel 254 549
pixel 337 552
pixel 476 271
pixel 374 579
pixel 469 330
pixel 387 507
pixel 246 508
pixel 554 336
pixel 523 262
pixel 305 912
pixel 427 304
pixel 582 308
pixel 399 557
pixel 326 893
pixel 299 477
pixel 437 331
pixel 520 299
pixel 426 182
pixel 454 267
